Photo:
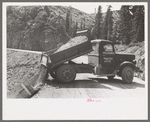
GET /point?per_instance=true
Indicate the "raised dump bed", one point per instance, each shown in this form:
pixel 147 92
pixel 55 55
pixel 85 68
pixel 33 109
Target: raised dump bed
pixel 70 53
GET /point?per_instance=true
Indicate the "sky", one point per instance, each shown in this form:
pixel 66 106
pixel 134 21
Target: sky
pixel 87 7
pixel 90 8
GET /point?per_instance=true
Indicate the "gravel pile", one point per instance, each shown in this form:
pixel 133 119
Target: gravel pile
pixel 73 42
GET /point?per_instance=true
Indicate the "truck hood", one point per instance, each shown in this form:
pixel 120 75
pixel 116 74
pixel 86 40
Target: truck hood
pixel 126 56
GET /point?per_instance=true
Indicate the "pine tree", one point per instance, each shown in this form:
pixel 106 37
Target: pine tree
pixel 110 25
pixel 84 23
pixel 74 29
pixel 125 25
pixel 99 20
pixel 47 10
pixel 70 22
pixel 116 20
pixel 76 25
pixel 138 24
pixel 67 20
pixel 96 32
pixel 81 25
pixel 107 25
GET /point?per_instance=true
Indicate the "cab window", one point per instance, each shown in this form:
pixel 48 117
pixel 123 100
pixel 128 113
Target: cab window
pixel 108 49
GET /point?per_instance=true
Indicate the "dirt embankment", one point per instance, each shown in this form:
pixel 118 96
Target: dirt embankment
pixel 21 66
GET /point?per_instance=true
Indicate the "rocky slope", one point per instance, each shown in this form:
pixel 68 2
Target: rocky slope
pixel 40 28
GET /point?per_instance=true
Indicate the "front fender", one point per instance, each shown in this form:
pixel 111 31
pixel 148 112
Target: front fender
pixel 122 65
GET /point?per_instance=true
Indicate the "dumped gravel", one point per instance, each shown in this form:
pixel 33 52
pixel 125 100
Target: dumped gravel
pixel 73 42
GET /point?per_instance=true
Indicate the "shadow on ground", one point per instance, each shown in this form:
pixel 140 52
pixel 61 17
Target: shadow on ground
pixel 96 83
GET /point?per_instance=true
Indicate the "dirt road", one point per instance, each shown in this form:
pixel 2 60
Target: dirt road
pixel 83 87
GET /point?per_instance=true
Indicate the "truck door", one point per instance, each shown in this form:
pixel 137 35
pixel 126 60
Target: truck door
pixel 107 58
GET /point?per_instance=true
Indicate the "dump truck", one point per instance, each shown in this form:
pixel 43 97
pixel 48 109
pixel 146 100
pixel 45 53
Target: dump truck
pixel 102 61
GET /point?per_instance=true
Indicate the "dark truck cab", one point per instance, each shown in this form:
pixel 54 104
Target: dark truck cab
pixel 109 63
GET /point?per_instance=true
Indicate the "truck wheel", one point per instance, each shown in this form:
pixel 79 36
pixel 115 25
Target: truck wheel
pixel 110 77
pixel 127 74
pixel 66 73
pixel 53 74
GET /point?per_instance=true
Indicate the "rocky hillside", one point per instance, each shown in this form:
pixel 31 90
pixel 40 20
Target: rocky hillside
pixel 40 28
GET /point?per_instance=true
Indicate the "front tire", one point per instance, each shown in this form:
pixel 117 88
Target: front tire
pixel 66 73
pixel 127 74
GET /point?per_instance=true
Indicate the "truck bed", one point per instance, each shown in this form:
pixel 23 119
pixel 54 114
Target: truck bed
pixel 70 53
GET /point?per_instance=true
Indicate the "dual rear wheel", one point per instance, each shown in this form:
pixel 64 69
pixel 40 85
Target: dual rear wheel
pixel 65 73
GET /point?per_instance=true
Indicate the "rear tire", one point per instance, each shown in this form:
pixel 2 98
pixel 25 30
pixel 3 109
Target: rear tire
pixel 66 73
pixel 127 74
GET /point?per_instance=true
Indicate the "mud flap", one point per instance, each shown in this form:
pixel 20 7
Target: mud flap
pixel 44 60
pixel 41 78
